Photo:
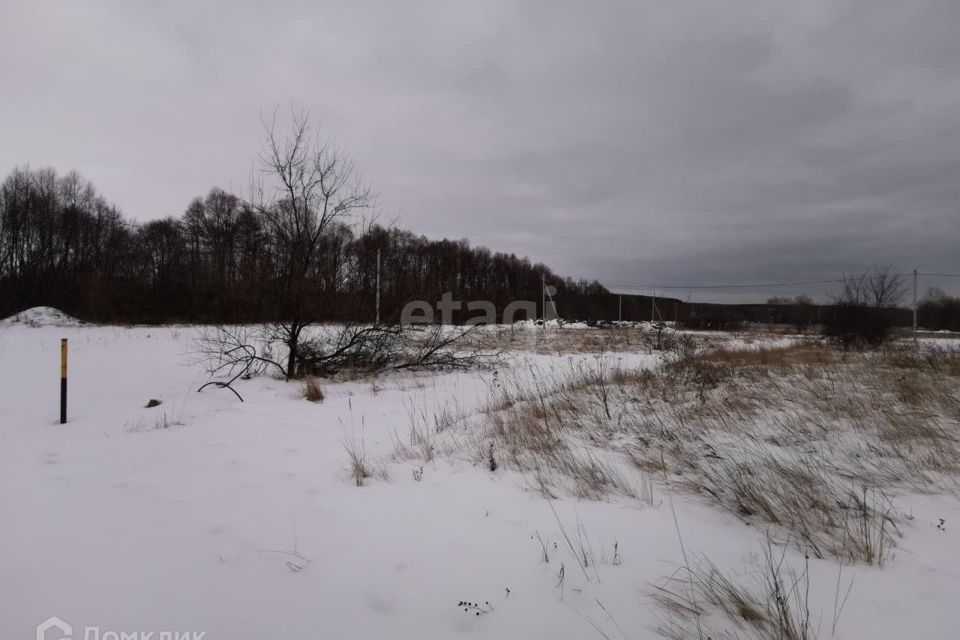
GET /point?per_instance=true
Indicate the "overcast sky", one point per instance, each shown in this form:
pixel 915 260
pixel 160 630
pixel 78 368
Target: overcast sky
pixel 635 142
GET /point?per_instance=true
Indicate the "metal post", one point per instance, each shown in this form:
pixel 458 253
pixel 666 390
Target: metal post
pixel 63 381
pixel 378 287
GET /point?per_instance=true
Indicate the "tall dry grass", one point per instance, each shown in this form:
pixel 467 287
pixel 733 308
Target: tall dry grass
pixel 799 437
pixel 700 601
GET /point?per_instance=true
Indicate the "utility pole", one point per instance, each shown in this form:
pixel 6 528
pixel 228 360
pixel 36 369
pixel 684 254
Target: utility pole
pixel 914 304
pixel 653 308
pixel 620 308
pixel 377 321
pixel 543 297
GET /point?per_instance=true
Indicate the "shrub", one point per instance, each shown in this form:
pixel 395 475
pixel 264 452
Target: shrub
pixel 865 310
pixel 312 391
pixel 358 467
pixel 855 326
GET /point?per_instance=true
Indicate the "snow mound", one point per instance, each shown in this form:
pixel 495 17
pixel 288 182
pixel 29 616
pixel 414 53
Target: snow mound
pixel 41 317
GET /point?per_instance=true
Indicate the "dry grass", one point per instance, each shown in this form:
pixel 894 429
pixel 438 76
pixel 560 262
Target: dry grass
pixel 425 425
pixel 797 437
pixel 797 354
pixel 312 391
pixel 525 425
pixel 701 601
pixel 359 469
pixel 622 338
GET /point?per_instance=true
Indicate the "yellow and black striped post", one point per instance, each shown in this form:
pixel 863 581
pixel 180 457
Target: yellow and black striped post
pixel 63 381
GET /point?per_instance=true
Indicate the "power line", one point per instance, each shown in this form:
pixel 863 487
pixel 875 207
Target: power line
pixel 727 286
pixel 767 285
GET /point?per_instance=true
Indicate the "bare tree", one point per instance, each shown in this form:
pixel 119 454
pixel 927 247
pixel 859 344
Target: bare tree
pixel 234 353
pixel 885 288
pixel 854 290
pixel 880 287
pixel 863 312
pixel 309 185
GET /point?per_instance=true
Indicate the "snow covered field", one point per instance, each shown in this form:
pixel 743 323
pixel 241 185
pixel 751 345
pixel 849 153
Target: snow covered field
pixel 241 520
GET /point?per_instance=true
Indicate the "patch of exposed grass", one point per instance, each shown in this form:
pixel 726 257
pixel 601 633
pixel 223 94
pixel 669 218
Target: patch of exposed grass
pixel 359 469
pixel 701 601
pixel 312 391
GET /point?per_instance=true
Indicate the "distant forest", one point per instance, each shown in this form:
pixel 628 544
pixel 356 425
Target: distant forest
pixel 62 244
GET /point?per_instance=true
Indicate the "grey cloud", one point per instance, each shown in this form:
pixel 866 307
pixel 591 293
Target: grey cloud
pixel 635 142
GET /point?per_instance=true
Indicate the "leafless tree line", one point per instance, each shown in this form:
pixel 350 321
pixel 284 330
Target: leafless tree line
pixel 298 247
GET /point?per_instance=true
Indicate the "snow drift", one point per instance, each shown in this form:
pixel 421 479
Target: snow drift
pixel 41 317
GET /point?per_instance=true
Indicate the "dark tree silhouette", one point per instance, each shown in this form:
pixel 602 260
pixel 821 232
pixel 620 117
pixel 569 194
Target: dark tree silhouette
pixel 228 260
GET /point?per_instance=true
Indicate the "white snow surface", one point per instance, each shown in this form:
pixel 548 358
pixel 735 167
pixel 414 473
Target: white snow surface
pixel 41 317
pixel 117 522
